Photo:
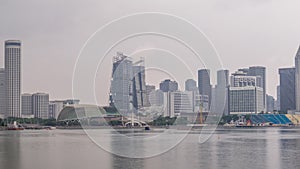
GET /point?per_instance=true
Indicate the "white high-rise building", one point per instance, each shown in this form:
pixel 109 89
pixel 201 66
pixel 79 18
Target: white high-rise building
pixel 2 93
pixel 246 94
pixel 297 79
pixel 177 102
pixel 13 77
pixel 40 105
pixel 246 100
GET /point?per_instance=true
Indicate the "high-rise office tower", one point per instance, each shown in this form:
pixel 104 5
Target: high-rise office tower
pixel 270 103
pixel 13 77
pixel 139 86
pixel 245 100
pixel 40 105
pixel 121 84
pixel 278 98
pixel 297 84
pixel 128 87
pixel 149 89
pixel 246 93
pixel 260 71
pixel 287 89
pixel 221 92
pixel 2 93
pixel 204 84
pixel 168 86
pixel 191 85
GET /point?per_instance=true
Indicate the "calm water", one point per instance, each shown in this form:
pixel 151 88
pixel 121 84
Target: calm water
pixel 71 149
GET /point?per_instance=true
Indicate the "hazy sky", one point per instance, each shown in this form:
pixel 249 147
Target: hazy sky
pixel 244 32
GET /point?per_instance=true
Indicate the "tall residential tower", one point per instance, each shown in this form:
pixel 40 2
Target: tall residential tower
pixel 13 77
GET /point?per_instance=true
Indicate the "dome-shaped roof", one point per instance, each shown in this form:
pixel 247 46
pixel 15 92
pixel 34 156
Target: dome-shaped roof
pixel 73 112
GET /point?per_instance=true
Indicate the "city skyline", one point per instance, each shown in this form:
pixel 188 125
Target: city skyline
pixel 254 43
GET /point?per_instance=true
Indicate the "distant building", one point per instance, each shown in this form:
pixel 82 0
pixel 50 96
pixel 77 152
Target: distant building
pixel 238 80
pixel 26 104
pixel 156 98
pixel 2 93
pixel 297 80
pixel 246 100
pixel 149 89
pixel 128 86
pixel 246 93
pixel 40 105
pixel 168 86
pixel 177 102
pixel 121 83
pixel 270 103
pixel 277 107
pixel 260 71
pixel 186 102
pixel 287 89
pixel 56 106
pixel 13 77
pixel 204 84
pixel 213 105
pixel 139 86
pixel 70 102
pixel 191 85
pixel 221 92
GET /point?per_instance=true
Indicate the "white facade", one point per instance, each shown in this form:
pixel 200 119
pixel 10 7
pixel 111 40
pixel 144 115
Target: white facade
pixel 179 102
pixel 26 104
pixel 241 81
pixel 40 105
pixel 246 100
pixel 13 77
pixel 2 93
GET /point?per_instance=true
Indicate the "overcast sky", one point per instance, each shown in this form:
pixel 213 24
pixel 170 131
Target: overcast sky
pixel 244 32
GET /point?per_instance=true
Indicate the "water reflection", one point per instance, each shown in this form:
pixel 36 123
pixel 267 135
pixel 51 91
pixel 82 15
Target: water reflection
pixel 289 148
pixel 227 149
pixel 9 149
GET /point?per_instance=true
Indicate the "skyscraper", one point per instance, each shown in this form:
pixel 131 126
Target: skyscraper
pixel 270 103
pixel 2 93
pixel 168 86
pixel 260 71
pixel 121 84
pixel 278 98
pixel 245 100
pixel 297 84
pixel 204 84
pixel 13 77
pixel 221 92
pixel 191 85
pixel 40 105
pixel 149 89
pixel 139 86
pixel 287 89
pixel 246 93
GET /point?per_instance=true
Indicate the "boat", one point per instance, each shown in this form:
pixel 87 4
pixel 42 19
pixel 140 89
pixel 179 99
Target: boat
pixel 147 128
pixel 50 128
pixel 14 126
